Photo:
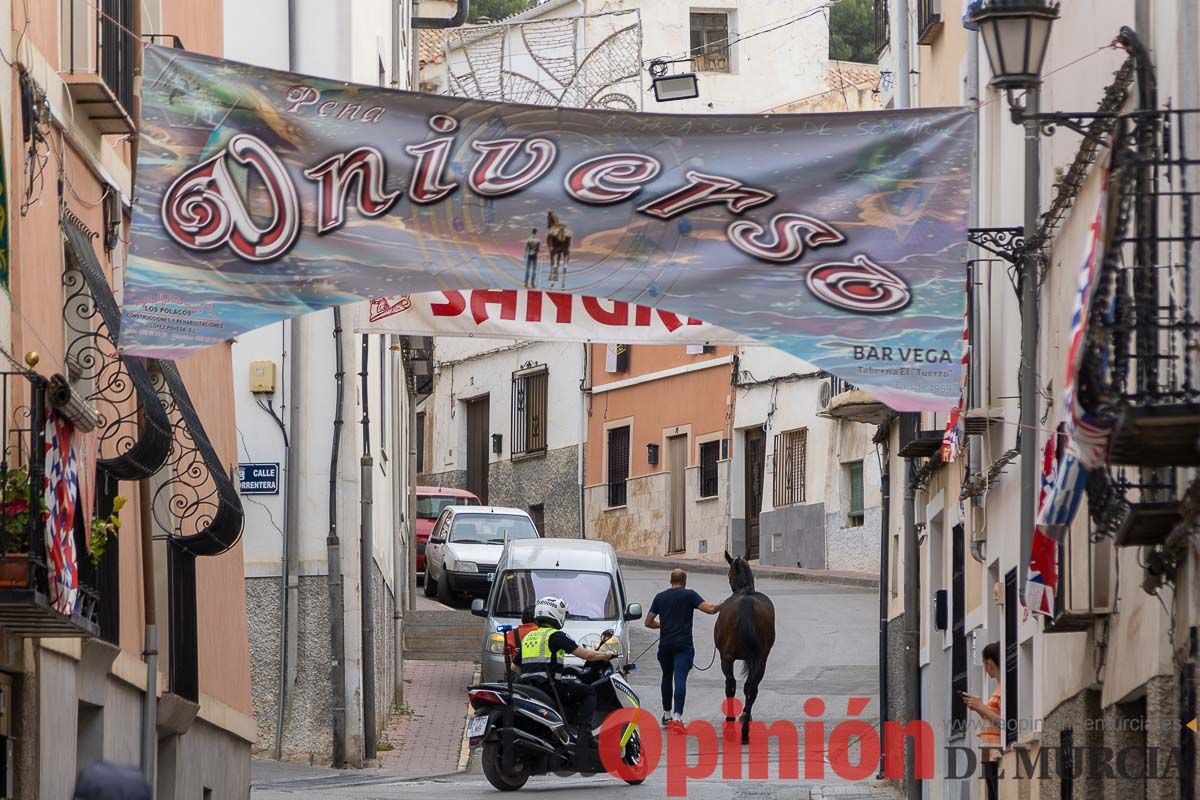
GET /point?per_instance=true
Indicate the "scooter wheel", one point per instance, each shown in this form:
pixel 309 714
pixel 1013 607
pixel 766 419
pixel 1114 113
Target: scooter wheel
pixel 504 781
pixel 633 756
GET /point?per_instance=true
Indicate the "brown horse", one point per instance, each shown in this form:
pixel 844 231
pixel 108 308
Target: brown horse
pixel 558 240
pixel 745 631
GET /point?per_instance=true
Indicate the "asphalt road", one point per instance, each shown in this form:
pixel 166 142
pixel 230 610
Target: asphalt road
pixel 826 646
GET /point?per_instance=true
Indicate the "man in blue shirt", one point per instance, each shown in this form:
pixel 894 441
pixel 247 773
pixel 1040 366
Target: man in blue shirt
pixel 671 613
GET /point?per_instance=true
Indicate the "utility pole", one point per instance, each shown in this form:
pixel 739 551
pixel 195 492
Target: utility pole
pixel 1027 432
pixel 912 627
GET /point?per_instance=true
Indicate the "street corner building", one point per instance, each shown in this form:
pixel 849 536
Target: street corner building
pixel 122 617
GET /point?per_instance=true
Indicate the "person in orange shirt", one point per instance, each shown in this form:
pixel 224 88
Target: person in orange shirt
pixel 514 637
pixel 989 712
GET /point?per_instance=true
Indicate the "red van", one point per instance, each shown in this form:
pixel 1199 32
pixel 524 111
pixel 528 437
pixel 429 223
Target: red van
pixel 430 502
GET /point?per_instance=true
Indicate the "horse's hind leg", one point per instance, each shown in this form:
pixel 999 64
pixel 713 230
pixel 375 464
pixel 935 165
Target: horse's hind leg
pixel 751 691
pixel 730 683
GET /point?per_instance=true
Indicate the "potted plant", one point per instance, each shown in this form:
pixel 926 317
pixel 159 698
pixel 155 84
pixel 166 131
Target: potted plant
pixel 15 519
pixel 103 528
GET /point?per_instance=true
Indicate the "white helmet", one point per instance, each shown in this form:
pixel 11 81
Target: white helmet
pixel 552 610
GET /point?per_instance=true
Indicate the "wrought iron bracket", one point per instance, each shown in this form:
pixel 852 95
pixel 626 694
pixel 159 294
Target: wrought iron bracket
pixel 1084 122
pixel 1008 243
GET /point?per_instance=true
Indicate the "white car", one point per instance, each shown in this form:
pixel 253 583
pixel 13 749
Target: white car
pixel 465 544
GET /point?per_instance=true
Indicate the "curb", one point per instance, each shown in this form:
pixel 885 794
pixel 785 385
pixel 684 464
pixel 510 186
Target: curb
pixel 464 754
pixel 854 579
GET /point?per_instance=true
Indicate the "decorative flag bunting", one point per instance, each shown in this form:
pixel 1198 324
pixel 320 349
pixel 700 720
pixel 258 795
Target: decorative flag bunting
pixel 61 493
pixel 1043 563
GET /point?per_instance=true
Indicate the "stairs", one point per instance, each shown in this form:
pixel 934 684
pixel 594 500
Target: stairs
pixel 442 635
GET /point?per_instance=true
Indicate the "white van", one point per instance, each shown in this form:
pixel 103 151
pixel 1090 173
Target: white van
pixel 583 573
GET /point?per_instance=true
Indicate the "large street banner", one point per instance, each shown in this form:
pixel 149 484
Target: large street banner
pixel 263 195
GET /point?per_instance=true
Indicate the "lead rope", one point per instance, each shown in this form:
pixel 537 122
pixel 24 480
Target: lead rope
pixel 711 661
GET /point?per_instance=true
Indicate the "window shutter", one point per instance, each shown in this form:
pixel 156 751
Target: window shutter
pixel 856 488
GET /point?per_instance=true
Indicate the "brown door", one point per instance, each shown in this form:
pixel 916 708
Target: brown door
pixel 755 464
pixel 677 461
pixel 478 441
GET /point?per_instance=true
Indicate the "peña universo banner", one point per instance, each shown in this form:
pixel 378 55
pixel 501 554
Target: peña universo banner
pixel 263 195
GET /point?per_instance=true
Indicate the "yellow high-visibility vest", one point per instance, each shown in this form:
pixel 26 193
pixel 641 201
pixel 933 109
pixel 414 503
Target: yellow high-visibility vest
pixel 535 649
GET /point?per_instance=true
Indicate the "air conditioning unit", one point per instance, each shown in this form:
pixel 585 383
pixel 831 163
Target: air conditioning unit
pixel 825 394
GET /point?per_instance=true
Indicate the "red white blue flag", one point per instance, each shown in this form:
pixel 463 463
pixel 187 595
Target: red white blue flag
pixel 61 494
pixel 1043 562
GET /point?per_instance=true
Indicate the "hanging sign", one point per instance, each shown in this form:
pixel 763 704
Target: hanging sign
pixel 263 195
pixel 537 315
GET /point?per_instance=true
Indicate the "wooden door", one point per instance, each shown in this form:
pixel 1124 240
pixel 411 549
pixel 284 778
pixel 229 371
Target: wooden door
pixel 755 464
pixel 677 461
pixel 478 448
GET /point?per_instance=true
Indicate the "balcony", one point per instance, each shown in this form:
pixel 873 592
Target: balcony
pixel 882 27
pixel 1139 373
pixel 31 605
pixel 929 20
pixel 101 55
pixel 842 400
pixel 915 442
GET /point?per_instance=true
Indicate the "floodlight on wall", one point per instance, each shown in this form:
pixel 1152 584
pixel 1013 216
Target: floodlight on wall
pixel 683 86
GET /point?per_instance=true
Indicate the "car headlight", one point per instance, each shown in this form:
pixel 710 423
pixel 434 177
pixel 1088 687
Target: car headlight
pixel 495 643
pixel 454 565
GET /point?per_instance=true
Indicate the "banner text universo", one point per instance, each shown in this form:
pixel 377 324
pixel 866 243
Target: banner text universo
pixel 264 195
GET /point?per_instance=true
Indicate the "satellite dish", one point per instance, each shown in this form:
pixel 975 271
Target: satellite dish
pixel 824 394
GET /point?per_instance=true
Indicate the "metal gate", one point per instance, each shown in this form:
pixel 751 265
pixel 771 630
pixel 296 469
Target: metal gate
pixel 477 448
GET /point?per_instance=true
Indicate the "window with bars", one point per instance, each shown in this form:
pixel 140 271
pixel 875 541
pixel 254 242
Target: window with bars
pixel 854 486
pixel 618 465
pixel 790 457
pixel 529 411
pixel 710 41
pixel 710 454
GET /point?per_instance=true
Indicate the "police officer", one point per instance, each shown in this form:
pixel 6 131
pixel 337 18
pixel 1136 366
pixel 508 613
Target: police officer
pixel 543 650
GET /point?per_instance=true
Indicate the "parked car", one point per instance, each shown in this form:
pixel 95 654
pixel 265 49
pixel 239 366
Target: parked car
pixel 431 502
pixel 584 573
pixel 465 544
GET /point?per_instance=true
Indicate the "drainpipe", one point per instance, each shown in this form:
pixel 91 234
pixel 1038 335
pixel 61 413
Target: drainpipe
pixel 290 557
pixel 584 385
pixel 150 648
pixel 1188 24
pixel 366 577
pixel 1027 432
pixel 882 437
pixel 437 23
pixel 912 626
pixel 903 94
pixel 399 574
pixel 974 450
pixel 333 555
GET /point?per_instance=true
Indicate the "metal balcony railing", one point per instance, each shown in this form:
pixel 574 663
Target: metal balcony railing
pixel 882 26
pixel 1140 369
pixel 26 595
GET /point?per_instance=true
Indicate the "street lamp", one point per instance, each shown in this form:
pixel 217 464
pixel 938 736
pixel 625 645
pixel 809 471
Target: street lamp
pixel 1016 34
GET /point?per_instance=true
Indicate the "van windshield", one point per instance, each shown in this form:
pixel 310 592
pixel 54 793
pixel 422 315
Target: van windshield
pixel 589 595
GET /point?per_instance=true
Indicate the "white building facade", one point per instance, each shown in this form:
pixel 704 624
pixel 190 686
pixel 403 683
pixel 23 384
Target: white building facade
pixel 505 421
pixel 808 494
pixel 297 366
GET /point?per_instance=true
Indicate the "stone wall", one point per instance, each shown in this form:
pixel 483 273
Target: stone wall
pixel 551 480
pixel 855 549
pixel 640 526
pixel 1079 716
pixel 308 727
pixel 793 536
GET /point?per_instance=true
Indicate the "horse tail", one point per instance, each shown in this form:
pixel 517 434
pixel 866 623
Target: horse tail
pixel 752 655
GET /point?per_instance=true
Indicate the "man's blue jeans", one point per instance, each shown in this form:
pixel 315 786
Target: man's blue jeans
pixel 675 663
pixel 531 270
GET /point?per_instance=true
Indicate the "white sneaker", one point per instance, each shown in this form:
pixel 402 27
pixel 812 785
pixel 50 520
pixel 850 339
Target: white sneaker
pixel 666 718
